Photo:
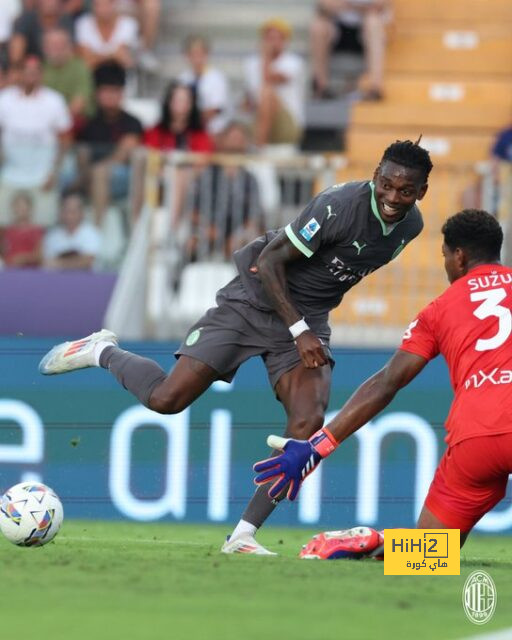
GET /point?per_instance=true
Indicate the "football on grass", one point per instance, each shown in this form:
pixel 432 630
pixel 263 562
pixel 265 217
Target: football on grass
pixel 31 514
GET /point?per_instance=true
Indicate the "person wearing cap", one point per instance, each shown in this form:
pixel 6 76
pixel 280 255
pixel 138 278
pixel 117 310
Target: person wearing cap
pixel 275 87
pixel 108 140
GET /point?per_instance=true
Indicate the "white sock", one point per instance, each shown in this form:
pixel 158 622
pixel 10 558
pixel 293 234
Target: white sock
pixel 98 348
pixel 243 528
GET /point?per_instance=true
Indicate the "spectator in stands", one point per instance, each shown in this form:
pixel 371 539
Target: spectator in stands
pixel 180 125
pixel 105 35
pixel 66 73
pixel 34 124
pixel 275 87
pixel 210 84
pixel 8 14
pixel 74 243
pixel 29 28
pixel 22 239
pixel 224 201
pixel 343 23
pixel 108 140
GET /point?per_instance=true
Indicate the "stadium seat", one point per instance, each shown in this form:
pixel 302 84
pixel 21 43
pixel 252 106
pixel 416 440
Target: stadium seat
pixel 448 148
pixel 453 12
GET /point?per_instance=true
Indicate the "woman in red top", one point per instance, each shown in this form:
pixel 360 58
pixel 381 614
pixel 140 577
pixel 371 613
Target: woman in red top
pixel 180 124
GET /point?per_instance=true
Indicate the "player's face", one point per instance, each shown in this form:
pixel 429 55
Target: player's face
pixel 396 190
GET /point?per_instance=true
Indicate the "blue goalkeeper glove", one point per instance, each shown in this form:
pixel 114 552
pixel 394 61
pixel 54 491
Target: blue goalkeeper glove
pixel 298 460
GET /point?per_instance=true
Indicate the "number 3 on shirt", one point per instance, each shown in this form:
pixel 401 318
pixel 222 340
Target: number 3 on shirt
pixel 491 307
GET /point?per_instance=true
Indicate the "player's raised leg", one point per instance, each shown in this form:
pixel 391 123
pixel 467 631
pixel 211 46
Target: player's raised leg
pixel 161 392
pixel 305 395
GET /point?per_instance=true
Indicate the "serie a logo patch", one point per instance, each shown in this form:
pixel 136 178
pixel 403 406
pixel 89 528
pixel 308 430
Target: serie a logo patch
pixel 416 552
pixel 309 230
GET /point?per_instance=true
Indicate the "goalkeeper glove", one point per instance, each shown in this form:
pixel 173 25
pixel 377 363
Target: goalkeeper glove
pixel 297 461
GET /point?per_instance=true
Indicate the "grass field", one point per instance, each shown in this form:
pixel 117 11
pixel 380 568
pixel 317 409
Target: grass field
pixel 131 581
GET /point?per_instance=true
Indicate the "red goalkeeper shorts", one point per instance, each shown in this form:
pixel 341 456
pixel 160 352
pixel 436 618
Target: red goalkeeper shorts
pixel 470 480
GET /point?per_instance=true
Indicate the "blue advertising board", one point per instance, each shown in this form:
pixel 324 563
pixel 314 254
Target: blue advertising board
pixel 108 457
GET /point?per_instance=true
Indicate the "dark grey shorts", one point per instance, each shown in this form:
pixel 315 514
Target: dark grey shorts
pixel 231 333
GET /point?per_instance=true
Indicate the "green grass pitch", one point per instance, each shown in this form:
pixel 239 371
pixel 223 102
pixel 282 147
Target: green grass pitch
pixel 125 581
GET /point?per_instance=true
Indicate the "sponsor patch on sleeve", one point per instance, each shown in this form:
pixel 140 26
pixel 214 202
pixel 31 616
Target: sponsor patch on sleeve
pixel 309 230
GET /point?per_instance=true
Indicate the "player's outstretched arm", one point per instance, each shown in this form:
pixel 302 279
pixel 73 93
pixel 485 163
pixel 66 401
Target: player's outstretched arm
pixel 272 271
pixel 301 457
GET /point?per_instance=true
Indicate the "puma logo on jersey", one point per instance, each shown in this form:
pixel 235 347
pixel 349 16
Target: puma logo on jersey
pixel 330 213
pixel 358 246
pixel 497 376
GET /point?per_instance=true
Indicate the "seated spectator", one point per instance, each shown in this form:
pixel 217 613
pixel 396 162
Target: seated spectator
pixel 34 125
pixel 275 87
pixel 343 24
pixel 66 73
pixel 22 239
pixel 27 38
pixel 225 202
pixel 108 140
pixel 105 35
pixel 210 84
pixel 180 124
pixel 73 243
pixel 8 14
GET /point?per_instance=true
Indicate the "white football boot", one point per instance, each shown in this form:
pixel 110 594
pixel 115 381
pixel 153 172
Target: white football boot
pixel 78 354
pixel 245 544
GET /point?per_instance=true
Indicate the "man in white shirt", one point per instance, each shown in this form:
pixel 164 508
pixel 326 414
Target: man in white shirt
pixel 34 128
pixel 73 243
pixel 275 87
pixel 210 84
pixel 104 35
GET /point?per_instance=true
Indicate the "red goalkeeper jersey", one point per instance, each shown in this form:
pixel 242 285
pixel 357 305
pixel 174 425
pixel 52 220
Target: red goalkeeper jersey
pixel 470 324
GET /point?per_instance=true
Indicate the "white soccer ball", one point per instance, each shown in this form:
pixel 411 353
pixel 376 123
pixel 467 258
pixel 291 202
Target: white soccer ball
pixel 31 514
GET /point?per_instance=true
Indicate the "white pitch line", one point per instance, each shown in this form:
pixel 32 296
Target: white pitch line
pixel 503 634
pixel 186 543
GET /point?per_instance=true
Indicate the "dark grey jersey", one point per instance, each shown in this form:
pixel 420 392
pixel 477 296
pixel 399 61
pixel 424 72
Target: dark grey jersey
pixel 343 238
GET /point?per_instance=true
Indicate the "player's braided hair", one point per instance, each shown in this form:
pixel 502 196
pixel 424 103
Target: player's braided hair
pixel 409 154
pixel 476 231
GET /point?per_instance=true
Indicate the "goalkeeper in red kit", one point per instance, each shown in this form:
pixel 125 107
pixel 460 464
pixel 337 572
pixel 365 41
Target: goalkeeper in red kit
pixel 470 324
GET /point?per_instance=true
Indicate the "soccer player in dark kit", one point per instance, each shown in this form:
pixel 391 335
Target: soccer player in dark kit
pixel 277 307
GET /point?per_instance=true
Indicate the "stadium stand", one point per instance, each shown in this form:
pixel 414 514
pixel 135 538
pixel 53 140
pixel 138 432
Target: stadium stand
pixel 448 72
